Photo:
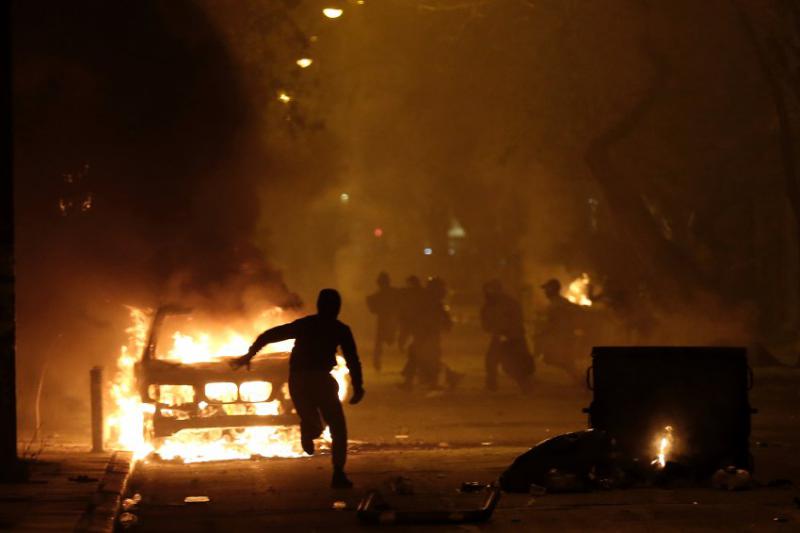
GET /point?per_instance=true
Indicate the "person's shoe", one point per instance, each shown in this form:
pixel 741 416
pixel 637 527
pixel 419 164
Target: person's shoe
pixel 308 444
pixel 341 481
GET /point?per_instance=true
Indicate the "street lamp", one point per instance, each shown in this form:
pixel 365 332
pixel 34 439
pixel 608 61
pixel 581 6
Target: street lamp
pixel 332 12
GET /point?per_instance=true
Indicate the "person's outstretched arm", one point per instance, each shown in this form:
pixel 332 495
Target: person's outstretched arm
pixel 350 353
pixel 276 334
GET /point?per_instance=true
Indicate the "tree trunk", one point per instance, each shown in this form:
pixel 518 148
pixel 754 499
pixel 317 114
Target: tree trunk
pixel 787 137
pixel 8 399
pixel 660 264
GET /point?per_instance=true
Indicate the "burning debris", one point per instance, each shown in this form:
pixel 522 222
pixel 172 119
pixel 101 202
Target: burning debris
pixel 665 444
pixel 187 404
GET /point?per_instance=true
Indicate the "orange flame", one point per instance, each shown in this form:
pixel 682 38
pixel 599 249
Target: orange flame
pixel 665 445
pixel 578 290
pixel 130 418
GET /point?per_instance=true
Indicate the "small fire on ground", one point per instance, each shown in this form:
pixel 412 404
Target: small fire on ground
pixel 130 419
pixel 665 444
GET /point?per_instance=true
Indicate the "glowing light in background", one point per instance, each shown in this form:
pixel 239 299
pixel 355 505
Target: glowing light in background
pixel 344 197
pixel 283 97
pixel 665 444
pixel 578 290
pixel 304 62
pixel 378 232
pixel 427 251
pixel 332 12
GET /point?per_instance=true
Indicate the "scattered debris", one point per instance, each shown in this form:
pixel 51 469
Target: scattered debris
pixel 472 486
pixel 565 463
pixel 732 478
pixel 131 503
pixel 196 499
pixel 536 490
pixel 83 478
pixel 402 485
pixel 127 520
pixel 374 510
pixel 339 505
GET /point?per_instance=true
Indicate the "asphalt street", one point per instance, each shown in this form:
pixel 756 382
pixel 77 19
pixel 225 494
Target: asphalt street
pixel 440 441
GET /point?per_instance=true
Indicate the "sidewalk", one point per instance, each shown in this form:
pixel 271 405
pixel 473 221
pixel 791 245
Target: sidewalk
pixel 69 489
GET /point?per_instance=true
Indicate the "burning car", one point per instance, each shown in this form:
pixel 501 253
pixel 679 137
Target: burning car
pixel 211 394
pixel 181 400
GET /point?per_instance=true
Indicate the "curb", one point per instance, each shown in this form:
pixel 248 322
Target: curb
pixel 101 512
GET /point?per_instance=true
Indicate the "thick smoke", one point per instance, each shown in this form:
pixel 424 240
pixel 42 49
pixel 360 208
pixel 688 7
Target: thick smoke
pixel 135 169
pixel 634 140
pixel 631 140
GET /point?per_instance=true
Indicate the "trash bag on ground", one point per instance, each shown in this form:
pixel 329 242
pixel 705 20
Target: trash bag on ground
pixel 572 462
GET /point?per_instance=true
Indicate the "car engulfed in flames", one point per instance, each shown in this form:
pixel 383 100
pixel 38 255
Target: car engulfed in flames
pixel 188 404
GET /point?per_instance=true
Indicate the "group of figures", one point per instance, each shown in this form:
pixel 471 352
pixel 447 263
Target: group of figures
pixel 415 318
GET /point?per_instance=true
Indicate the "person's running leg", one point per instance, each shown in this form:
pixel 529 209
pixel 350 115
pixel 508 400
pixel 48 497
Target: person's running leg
pixel 304 392
pixel 377 351
pixel 492 362
pixel 333 415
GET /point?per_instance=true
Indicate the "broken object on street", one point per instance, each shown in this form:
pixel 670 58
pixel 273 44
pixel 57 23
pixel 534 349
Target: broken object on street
pixel 375 510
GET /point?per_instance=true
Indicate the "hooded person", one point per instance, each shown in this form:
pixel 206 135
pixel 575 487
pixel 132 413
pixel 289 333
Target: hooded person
pixel 313 390
pixel 384 305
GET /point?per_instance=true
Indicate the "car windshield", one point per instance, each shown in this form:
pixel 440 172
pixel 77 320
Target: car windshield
pixel 191 338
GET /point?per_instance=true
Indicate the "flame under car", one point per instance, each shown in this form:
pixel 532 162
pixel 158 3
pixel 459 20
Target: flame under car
pixel 204 395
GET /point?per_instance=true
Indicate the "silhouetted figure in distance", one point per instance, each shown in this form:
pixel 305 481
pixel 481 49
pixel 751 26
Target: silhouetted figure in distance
pixel 501 317
pixel 411 299
pixel 384 305
pixel 556 340
pixel 425 351
pixel 312 388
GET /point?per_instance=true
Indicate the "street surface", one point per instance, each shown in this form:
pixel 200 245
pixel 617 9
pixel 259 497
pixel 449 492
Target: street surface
pixel 469 435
